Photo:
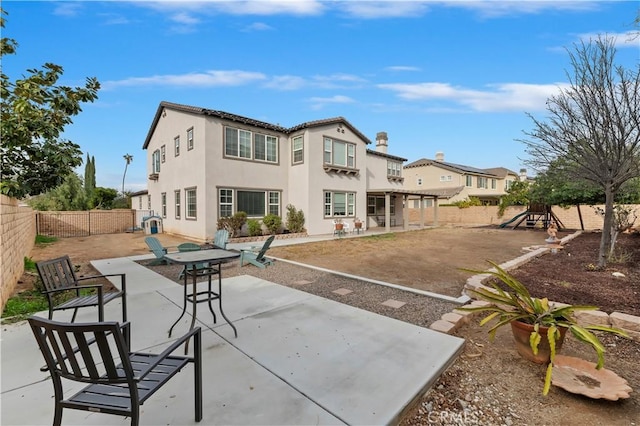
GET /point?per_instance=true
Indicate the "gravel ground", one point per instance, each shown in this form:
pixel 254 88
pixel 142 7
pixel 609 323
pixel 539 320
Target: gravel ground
pixel 419 309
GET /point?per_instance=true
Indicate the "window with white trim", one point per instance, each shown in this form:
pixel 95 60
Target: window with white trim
pixel 192 203
pixel 190 139
pixel 163 198
pixel 176 144
pixel 163 154
pixel 176 196
pixel 446 178
pixel 155 161
pixel 255 203
pixel 339 153
pixel 375 206
pixel 394 168
pixel 149 202
pixel 266 148
pixel 493 184
pixel 482 182
pixel 339 204
pixel 469 180
pixel 140 202
pixel 297 146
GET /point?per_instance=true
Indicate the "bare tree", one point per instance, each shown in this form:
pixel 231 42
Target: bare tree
pixel 128 158
pixel 593 126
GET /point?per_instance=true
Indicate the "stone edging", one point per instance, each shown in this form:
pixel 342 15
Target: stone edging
pixel 451 321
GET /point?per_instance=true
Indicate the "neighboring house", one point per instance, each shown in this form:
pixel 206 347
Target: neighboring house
pixel 205 164
pixel 141 203
pixel 456 182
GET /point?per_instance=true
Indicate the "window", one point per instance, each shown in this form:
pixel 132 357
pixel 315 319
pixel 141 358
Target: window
pixel 176 195
pixel 419 181
pixel 298 150
pixel 339 153
pixel 507 184
pixel 339 204
pixel 226 202
pixel 163 198
pixel 445 178
pixel 482 182
pixel 176 143
pixel 190 139
pixel 256 203
pixel 375 206
pixel 237 143
pixel 469 180
pixel 163 154
pixel 191 200
pixel 427 202
pixel 493 184
pixel 266 148
pixel 393 168
pixel 156 161
pixel 140 202
pixel 149 202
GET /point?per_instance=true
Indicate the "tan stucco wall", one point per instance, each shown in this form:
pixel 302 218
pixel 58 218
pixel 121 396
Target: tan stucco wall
pixel 488 215
pixel 17 238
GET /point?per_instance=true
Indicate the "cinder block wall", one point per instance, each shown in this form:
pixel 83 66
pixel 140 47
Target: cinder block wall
pixel 488 215
pixel 17 238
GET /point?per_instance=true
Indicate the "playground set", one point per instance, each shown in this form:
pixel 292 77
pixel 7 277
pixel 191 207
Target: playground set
pixel 536 215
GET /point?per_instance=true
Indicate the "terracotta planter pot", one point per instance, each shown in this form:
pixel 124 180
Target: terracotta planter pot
pixel 521 333
pixel 339 226
pixel 358 225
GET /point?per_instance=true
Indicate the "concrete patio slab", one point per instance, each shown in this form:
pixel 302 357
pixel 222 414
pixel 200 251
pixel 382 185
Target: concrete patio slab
pixel 298 359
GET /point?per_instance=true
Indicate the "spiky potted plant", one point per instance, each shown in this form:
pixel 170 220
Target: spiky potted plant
pixel 538 317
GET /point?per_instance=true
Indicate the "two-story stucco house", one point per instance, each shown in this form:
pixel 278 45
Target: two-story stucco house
pixel 456 182
pixel 205 164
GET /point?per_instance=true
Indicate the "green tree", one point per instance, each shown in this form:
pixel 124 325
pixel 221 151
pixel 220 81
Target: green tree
pixel 103 198
pixel 128 159
pixel 34 112
pixel 593 127
pixel 90 176
pixel 517 195
pixel 69 195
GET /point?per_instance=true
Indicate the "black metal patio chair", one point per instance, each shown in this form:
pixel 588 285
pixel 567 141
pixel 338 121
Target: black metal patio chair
pixel 120 381
pixel 64 290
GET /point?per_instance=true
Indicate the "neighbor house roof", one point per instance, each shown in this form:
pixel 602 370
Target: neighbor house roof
pixel 458 168
pixel 246 120
pixel 500 171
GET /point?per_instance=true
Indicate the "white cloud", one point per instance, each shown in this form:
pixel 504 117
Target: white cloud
pixel 67 8
pixel 502 97
pixel 319 103
pixel 402 68
pixel 257 26
pixel 185 18
pixel 241 7
pixel 286 82
pixel 384 9
pixel 622 40
pixel 207 79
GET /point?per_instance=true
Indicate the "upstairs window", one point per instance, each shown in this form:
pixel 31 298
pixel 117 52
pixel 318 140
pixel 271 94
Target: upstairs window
pixel 493 184
pixel 266 148
pixel 176 142
pixel 469 180
pixel 155 161
pixel 338 153
pixel 190 139
pixel 446 178
pixel 297 147
pixel 163 153
pixel 394 168
pixel 237 143
pixel 482 182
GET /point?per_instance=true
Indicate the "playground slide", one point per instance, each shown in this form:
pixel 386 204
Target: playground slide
pixel 513 219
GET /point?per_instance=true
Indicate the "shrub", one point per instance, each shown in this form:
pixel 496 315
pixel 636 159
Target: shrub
pixel 295 219
pixel 233 224
pixel 471 201
pixel 255 227
pixel 273 223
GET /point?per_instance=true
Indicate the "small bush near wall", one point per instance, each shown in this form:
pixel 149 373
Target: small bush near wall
pixel 255 227
pixel 273 223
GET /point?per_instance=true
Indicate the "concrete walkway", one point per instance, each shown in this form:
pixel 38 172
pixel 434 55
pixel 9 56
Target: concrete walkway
pixel 299 359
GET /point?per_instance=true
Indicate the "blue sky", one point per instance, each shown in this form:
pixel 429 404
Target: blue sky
pixel 451 76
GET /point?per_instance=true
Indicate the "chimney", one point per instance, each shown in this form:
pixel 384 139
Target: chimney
pixel 440 156
pixel 523 175
pixel 381 142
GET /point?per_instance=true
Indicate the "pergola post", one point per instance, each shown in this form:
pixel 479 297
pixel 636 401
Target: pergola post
pixel 405 212
pixel 422 212
pixel 387 212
